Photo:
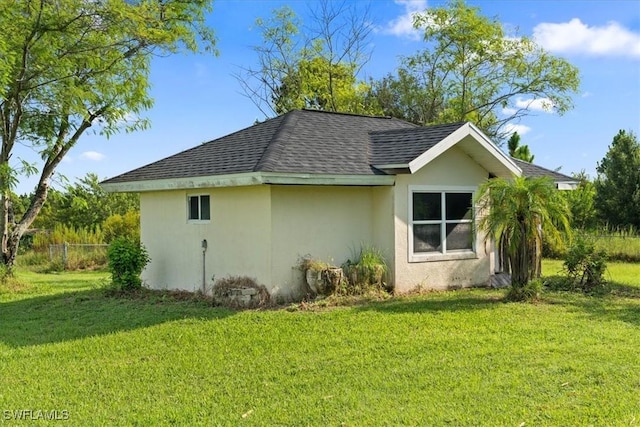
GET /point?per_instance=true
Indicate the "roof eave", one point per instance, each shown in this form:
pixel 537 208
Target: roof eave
pixel 567 185
pixel 245 179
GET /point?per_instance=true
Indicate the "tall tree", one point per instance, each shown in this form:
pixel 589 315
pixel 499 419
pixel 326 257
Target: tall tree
pixel 516 213
pixel 519 151
pixel 617 196
pixel 67 65
pixel 472 70
pixel 582 202
pixel 314 66
pixel 86 205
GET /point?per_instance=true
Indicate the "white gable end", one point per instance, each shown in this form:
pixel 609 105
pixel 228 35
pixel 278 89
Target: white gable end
pixel 476 145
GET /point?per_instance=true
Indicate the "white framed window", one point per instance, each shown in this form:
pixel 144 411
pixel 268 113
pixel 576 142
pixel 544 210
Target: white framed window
pixel 198 208
pixel 441 223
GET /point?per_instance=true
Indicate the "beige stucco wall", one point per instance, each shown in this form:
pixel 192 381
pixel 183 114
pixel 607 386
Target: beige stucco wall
pixel 383 235
pixel 452 168
pixel 328 223
pixel 238 237
pixel 263 231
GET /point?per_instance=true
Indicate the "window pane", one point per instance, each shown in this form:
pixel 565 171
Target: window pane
pixel 459 236
pixel 205 209
pixel 426 238
pixel 193 208
pixel 427 206
pixel 458 205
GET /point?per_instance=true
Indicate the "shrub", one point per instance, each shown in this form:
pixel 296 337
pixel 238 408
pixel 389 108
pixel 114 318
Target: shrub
pixel 127 259
pixel 127 225
pixel 529 292
pixel 367 272
pixel 585 266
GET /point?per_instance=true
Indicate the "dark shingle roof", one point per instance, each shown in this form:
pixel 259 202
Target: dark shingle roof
pixel 400 146
pixel 301 141
pixel 535 171
pixel 309 141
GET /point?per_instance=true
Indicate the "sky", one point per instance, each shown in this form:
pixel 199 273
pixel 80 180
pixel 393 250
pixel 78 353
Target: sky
pixel 197 98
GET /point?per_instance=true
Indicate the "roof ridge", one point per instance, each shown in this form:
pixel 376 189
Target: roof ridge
pixel 346 113
pixel 430 127
pixel 273 145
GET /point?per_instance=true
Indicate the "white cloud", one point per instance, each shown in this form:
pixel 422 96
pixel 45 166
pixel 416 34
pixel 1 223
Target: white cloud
pixel 510 128
pixel 402 26
pixel 92 155
pixel 587 94
pixel 544 105
pixel 576 37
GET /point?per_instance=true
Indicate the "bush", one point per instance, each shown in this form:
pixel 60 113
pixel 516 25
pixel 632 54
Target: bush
pixel 127 259
pixel 367 272
pixel 127 225
pixel 585 266
pixel 529 292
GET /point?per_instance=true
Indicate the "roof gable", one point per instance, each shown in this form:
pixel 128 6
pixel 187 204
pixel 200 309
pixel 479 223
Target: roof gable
pixel 421 146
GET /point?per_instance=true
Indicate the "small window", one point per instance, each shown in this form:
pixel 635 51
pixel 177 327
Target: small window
pixel 441 222
pixel 199 208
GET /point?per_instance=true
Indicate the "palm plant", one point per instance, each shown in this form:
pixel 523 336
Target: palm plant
pixel 516 213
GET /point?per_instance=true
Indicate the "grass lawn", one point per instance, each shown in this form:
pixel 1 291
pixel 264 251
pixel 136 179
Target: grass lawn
pixel 450 358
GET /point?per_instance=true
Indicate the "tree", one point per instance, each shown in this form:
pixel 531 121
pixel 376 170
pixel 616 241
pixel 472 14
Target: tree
pixel 516 213
pixel 86 205
pixel 68 65
pixel 314 68
pixel 617 196
pixel 581 201
pixel 471 70
pixel 519 151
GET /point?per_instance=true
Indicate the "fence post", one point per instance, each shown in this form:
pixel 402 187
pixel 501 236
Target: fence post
pixel 65 247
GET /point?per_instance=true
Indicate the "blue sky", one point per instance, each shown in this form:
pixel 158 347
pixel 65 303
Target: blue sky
pixel 197 98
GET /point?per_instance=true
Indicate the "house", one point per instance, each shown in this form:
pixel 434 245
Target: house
pixel 322 184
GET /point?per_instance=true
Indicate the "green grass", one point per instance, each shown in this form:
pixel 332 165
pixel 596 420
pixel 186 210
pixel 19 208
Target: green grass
pixel 619 274
pixel 618 247
pixel 451 358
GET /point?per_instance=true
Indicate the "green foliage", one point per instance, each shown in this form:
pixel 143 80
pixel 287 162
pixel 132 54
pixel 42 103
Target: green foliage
pixel 81 205
pixel 517 213
pixel 582 203
pixel 127 226
pixel 472 70
pixel 527 293
pixel 365 273
pixel 585 265
pixel 519 151
pixel 316 68
pixel 66 234
pixel 127 259
pixel 617 197
pixel 619 244
pixel 69 66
